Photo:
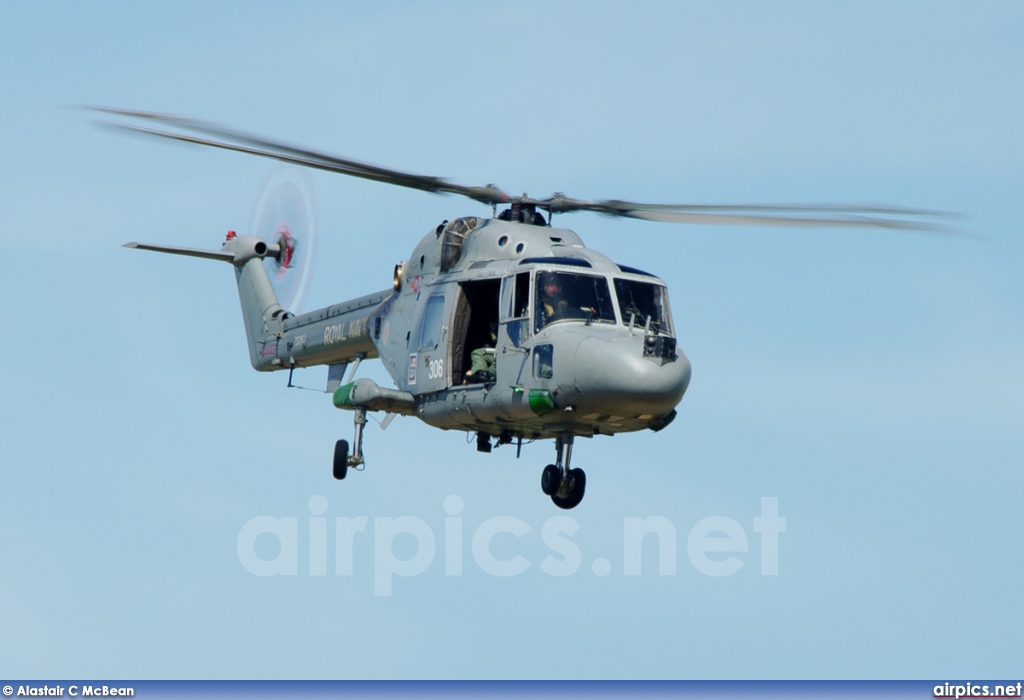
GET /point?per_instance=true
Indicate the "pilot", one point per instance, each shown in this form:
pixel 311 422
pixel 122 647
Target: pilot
pixel 481 368
pixel 553 305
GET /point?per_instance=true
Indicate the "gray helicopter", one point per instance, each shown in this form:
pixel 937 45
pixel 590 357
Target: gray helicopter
pixel 505 327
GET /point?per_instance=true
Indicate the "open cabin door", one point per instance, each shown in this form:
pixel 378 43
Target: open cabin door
pixel 461 313
pixel 474 327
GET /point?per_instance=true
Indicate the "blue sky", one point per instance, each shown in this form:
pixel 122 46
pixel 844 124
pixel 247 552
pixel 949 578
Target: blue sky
pixel 869 381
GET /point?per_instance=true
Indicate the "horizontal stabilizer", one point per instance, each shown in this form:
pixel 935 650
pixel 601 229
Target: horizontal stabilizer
pixel 192 252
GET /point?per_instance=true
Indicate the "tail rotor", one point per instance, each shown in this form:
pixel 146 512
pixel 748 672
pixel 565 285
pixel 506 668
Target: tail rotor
pixel 285 215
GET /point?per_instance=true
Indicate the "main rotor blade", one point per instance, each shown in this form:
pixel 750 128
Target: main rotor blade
pixel 809 221
pixel 255 145
pixel 818 216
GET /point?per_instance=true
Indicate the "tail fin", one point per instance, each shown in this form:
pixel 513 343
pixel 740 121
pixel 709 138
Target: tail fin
pixel 261 311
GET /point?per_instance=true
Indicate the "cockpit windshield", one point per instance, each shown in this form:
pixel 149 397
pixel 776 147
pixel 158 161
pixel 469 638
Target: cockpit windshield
pixel 563 295
pixel 641 301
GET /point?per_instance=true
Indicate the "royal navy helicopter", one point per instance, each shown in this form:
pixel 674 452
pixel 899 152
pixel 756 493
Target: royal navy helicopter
pixel 503 326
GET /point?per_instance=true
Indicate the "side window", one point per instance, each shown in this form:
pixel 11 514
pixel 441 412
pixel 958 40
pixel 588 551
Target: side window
pixel 430 331
pixel 521 298
pixel 543 367
pixel 516 303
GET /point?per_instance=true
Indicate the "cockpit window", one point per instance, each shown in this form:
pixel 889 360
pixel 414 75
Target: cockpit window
pixel 642 301
pixel 566 296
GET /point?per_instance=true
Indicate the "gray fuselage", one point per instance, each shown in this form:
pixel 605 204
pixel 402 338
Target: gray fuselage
pixel 600 363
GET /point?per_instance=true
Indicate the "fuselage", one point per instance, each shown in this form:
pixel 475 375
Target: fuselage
pixel 573 343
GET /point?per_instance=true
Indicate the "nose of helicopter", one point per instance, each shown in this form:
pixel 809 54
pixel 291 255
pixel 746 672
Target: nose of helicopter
pixel 615 377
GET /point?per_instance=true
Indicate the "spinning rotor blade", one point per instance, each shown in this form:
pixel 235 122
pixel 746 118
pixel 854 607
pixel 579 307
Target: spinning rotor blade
pixel 817 216
pixel 285 215
pixel 254 145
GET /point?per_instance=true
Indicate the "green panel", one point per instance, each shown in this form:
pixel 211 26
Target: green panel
pixel 541 401
pixel 341 396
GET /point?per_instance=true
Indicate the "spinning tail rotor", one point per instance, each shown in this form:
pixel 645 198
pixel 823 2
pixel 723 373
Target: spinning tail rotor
pixel 285 215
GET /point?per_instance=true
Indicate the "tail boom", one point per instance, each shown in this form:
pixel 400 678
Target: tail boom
pixel 276 338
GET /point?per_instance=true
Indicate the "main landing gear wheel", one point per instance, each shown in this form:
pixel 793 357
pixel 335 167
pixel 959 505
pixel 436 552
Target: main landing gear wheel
pixel 340 459
pixel 570 492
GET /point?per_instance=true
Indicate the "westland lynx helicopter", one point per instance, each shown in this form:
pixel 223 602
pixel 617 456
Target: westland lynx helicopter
pixel 505 327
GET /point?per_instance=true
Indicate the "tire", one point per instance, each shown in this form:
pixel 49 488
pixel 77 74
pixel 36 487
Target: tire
pixel 340 459
pixel 550 479
pixel 575 495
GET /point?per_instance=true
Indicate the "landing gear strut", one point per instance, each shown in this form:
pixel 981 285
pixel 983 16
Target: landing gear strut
pixel 342 459
pixel 564 485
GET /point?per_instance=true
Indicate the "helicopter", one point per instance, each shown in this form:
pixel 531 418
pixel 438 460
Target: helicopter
pixel 503 326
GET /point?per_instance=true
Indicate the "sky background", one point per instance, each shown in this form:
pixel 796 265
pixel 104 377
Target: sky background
pixel 871 381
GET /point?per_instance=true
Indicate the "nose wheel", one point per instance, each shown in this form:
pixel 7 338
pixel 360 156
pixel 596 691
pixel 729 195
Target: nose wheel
pixel 565 486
